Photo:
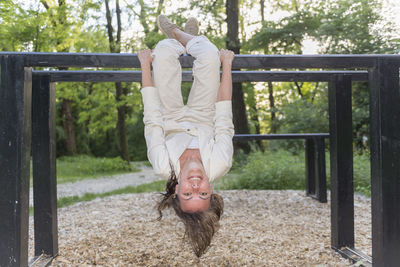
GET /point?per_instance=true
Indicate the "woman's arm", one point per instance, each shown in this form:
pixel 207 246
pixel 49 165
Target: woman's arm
pixel 153 123
pixel 221 155
pixel 225 87
pixel 145 63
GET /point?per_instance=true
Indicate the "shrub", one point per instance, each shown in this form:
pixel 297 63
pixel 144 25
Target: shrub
pixel 282 169
pixel 271 170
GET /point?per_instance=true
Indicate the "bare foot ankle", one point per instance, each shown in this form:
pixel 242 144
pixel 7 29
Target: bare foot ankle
pixel 181 36
pixel 175 33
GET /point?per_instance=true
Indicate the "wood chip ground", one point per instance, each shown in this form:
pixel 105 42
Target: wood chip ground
pixel 258 228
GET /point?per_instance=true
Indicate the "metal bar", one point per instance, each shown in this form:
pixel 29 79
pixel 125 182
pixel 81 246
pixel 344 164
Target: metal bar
pixel 385 167
pixel 44 165
pixel 355 256
pixel 341 149
pixel 241 61
pixel 310 166
pixel 42 260
pixel 247 137
pixel 237 76
pixel 293 76
pixel 15 141
pixel 320 176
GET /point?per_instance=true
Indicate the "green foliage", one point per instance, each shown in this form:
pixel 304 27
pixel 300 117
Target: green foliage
pixel 339 26
pixel 152 38
pixel 281 169
pixel 362 173
pixel 360 112
pixel 286 35
pixel 302 116
pixel 271 170
pixel 338 33
pixel 23 30
pixel 136 142
pixel 70 169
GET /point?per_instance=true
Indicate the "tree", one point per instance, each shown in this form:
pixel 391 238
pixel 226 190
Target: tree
pixel 121 92
pixel 23 29
pixel 337 35
pixel 233 43
pixel 273 128
pixel 152 37
pixel 61 30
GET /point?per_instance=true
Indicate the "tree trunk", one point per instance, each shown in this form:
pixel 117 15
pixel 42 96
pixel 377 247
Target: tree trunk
pixel 273 126
pixel 256 121
pixel 69 128
pixel 115 47
pixel 233 43
pixel 66 110
pixel 262 4
pixel 121 126
pixel 298 87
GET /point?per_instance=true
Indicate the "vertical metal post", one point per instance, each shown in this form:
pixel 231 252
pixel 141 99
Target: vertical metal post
pixel 385 162
pixel 15 142
pixel 44 165
pixel 320 177
pixel 341 151
pixel 315 169
pixel 310 167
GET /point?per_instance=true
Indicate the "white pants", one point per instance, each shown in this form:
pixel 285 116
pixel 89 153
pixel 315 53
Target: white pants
pixel 167 77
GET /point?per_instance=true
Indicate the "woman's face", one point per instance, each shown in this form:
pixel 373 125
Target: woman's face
pixel 193 188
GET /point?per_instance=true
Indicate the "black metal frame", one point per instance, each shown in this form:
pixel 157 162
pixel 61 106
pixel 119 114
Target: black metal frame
pixel 383 74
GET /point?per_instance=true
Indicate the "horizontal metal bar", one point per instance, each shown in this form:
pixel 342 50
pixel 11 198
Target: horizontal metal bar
pixel 240 61
pixel 237 76
pixel 295 76
pixel 42 260
pixel 247 137
pixel 355 256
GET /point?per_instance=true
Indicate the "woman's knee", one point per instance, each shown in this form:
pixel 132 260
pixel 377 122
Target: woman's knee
pixel 167 48
pixel 210 57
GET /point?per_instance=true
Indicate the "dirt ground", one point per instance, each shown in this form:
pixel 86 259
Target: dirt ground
pixel 258 228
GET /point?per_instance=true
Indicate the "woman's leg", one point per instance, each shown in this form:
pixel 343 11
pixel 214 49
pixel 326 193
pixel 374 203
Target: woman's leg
pixel 206 72
pixel 167 76
pixel 182 36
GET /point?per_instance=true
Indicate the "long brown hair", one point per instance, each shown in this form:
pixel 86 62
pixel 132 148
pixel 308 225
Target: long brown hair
pixel 200 227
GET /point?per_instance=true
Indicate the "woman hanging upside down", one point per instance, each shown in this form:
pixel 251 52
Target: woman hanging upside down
pixel 190 145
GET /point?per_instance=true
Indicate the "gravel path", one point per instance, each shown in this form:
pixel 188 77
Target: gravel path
pixel 105 184
pixel 258 228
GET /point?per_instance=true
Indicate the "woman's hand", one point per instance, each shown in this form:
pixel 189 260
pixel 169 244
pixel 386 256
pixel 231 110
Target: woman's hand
pixel 145 57
pixel 226 56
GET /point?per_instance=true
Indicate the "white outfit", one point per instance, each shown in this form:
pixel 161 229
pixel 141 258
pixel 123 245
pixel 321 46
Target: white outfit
pixel 170 126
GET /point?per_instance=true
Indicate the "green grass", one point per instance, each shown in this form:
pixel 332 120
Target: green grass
pixel 72 169
pixel 157 186
pixel 362 174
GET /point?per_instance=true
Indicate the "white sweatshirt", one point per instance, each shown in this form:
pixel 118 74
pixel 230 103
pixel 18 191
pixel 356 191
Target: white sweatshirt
pixel 167 140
